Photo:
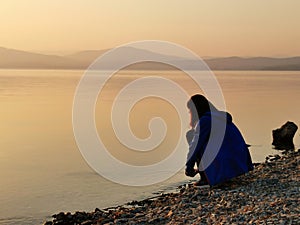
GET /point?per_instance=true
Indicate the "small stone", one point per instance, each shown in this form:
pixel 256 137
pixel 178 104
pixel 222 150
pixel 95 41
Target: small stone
pixel 48 223
pixel 97 210
pixel 87 222
pixel 59 217
pixel 170 213
pixel 122 221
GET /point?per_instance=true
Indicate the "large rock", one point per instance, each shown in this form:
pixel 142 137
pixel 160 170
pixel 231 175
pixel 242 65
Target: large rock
pixel 283 136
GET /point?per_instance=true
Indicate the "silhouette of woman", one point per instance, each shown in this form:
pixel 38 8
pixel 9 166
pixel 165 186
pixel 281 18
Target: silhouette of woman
pixel 232 158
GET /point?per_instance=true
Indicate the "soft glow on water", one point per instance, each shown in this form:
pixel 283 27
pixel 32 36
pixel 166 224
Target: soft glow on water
pixel 42 171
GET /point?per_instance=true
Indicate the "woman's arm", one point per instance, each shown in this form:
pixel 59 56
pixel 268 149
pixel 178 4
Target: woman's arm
pixel 199 142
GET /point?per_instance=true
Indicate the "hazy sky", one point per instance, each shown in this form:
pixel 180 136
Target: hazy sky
pixel 210 27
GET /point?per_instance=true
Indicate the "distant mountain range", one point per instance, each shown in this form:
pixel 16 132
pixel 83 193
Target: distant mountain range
pixel 16 59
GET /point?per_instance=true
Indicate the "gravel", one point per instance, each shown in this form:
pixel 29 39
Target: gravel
pixel 267 195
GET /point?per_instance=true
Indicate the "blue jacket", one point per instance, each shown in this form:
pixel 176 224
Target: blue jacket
pixel 231 157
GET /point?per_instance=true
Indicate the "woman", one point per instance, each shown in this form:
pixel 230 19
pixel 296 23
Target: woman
pixel 215 144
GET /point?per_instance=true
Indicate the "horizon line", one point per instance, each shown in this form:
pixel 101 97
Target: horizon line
pixel 71 52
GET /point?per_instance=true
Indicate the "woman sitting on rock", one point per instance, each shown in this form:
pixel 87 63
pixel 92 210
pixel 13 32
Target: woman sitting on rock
pixel 215 144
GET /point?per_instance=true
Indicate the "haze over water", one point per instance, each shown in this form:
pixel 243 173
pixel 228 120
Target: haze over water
pixel 42 170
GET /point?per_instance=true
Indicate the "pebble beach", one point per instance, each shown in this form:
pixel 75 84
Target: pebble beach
pixel 267 195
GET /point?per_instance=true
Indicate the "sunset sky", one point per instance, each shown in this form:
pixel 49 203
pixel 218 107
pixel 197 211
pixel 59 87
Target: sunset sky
pixel 210 27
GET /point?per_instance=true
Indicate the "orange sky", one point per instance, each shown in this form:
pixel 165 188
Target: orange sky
pixel 210 27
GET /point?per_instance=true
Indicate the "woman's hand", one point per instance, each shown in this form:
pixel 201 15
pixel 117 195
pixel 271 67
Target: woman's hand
pixel 190 172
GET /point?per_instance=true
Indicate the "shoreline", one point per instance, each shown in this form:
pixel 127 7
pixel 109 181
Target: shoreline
pixel 268 194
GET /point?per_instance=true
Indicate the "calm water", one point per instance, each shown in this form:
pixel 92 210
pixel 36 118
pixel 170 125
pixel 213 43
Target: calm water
pixel 42 170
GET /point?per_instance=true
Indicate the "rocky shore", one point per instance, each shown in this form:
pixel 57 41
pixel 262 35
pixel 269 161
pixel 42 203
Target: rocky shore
pixel 267 195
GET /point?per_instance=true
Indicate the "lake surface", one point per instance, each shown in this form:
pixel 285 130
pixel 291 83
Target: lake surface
pixel 42 170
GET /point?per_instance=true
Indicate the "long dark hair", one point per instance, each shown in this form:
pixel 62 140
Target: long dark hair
pixel 198 106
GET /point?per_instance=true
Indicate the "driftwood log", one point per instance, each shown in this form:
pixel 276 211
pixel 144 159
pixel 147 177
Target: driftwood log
pixel 283 136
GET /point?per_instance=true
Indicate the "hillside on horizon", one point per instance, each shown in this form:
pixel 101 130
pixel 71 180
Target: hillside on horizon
pixel 17 59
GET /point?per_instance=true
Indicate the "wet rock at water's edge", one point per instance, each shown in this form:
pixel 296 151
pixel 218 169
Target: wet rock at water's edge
pixel 283 136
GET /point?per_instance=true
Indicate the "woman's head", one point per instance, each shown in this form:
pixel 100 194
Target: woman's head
pixel 198 105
